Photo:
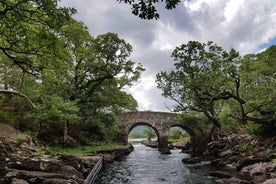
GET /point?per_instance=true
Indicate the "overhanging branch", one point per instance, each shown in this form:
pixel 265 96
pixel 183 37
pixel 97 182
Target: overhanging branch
pixel 18 94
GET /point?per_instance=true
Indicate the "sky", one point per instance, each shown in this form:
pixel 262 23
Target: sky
pixel 249 26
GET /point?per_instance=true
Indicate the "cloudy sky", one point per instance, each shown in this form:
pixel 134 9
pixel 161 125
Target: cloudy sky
pixel 249 26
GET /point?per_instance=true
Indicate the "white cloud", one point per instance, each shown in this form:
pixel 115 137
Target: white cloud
pixel 140 92
pixel 231 9
pixel 143 93
pixel 167 37
pixel 197 5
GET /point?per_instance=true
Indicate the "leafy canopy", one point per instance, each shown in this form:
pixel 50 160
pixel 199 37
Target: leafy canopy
pixel 29 30
pixel 147 9
pixel 202 77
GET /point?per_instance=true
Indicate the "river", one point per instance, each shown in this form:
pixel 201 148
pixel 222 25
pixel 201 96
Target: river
pixel 146 165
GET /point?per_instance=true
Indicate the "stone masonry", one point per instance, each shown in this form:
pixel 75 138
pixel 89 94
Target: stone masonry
pixel 161 122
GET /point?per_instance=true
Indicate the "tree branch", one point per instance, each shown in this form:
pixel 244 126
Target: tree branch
pixel 255 120
pixel 18 94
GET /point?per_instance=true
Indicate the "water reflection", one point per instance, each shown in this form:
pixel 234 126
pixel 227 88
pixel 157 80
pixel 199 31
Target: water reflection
pixel 147 166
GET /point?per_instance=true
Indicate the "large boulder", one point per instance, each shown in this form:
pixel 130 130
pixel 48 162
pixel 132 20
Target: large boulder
pixel 250 161
pixel 40 177
pixel 270 181
pixel 259 168
pixel 259 172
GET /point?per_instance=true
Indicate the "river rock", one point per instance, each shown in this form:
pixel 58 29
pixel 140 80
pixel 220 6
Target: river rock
pixel 259 168
pixel 225 153
pixel 150 143
pixel 250 161
pixel 270 181
pixel 75 162
pixel 191 160
pixel 49 166
pixel 165 151
pixel 18 181
pixel 220 174
pixel 233 180
pixel 223 161
pixel 35 176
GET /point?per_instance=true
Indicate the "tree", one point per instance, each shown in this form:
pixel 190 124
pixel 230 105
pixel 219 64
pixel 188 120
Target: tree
pixel 52 61
pixel 29 32
pixel 30 41
pixel 203 78
pixel 55 110
pixel 175 133
pixel 147 9
pixel 101 69
pixel 256 89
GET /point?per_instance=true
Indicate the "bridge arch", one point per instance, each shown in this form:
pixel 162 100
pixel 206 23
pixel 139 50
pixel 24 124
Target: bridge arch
pixel 161 122
pixel 145 124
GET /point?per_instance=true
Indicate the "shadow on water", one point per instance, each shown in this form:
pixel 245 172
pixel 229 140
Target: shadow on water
pixel 146 165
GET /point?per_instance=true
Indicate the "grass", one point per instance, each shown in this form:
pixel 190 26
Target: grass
pixel 81 150
pixel 181 140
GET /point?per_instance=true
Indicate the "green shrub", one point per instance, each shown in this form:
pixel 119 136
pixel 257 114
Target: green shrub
pixel 253 128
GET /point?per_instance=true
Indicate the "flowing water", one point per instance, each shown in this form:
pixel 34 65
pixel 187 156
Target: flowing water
pixel 146 165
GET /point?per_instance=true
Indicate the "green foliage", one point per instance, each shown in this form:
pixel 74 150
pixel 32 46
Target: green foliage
pixel 192 116
pixel 40 153
pixel 147 132
pixel 54 109
pixel 259 80
pixel 147 9
pixel 29 31
pixel 96 146
pixel 178 137
pixel 202 78
pixel 254 128
pixel 99 127
pixel 6 117
pixel 223 86
pixel 13 110
pixel 102 68
pixel 174 133
pixel 244 147
pixel 71 77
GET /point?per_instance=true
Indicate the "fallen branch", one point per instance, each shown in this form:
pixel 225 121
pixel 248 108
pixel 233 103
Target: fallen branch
pixel 18 94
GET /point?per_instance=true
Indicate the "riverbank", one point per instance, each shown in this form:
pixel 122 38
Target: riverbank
pixel 236 158
pixel 253 157
pixel 243 158
pixel 23 161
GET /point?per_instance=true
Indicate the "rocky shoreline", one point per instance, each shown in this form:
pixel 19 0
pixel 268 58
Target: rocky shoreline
pixel 251 159
pixel 23 162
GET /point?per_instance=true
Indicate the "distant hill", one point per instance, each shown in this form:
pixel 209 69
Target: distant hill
pixel 140 128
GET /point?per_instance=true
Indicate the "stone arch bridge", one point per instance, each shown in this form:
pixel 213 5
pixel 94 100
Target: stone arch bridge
pixel 161 122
